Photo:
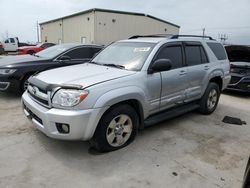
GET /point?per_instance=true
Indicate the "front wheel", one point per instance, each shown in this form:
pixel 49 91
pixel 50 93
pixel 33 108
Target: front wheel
pixel 24 84
pixel 116 129
pixel 210 99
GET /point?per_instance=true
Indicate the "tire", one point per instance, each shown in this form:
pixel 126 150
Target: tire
pixel 121 121
pixel 210 99
pixel 24 83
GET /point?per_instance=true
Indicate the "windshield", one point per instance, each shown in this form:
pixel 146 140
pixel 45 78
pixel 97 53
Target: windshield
pixel 130 56
pixel 53 51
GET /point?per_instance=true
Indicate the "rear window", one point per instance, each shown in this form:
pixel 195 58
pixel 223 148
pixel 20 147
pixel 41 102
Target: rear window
pixel 218 50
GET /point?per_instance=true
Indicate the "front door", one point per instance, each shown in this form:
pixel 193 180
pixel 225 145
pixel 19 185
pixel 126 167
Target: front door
pixel 174 81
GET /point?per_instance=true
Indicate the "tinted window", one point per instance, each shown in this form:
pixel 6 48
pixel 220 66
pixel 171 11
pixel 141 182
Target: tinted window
pixel 193 55
pixel 203 55
pixel 12 40
pixel 80 53
pixel 95 51
pixel 7 41
pixel 174 53
pixel 218 50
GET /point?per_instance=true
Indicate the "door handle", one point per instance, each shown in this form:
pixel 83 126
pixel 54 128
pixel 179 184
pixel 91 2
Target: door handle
pixel 206 67
pixel 183 72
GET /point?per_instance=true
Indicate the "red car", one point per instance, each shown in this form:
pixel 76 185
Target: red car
pixel 33 49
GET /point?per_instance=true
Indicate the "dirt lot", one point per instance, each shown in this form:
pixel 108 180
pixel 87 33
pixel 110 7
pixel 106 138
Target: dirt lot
pixel 189 151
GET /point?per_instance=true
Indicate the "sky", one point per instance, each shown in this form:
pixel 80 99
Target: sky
pixel 19 17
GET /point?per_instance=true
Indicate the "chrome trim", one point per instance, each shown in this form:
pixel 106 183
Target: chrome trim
pixel 236 82
pixel 33 90
pixel 7 85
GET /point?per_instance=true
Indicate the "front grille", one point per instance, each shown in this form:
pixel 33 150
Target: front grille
pixel 235 79
pixel 39 95
pixel 32 115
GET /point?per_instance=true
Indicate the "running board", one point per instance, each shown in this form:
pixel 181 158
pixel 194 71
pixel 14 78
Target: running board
pixel 170 113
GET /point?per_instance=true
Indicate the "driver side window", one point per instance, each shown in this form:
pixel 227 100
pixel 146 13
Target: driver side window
pixel 173 53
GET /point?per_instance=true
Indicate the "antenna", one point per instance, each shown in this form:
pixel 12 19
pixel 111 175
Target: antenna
pixel 223 38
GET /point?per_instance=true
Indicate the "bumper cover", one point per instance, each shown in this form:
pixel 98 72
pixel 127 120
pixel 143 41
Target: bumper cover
pixel 82 122
pixel 240 84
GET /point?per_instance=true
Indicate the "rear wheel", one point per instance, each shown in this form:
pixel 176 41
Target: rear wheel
pixel 210 99
pixel 116 129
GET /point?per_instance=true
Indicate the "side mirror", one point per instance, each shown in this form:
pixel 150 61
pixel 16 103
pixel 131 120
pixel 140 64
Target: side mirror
pixel 160 65
pixel 64 58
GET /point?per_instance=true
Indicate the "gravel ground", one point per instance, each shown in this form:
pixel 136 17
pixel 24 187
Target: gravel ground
pixel 189 151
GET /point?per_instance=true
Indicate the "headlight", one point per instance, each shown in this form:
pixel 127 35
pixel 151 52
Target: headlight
pixel 7 71
pixel 68 97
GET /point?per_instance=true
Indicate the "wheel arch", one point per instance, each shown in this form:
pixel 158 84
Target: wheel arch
pixel 217 80
pixel 132 96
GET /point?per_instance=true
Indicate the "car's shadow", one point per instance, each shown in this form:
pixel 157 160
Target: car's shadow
pixel 4 95
pixel 82 149
pixel 236 94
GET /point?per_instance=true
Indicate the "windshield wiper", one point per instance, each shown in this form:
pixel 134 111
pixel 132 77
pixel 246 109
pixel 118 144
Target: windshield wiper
pixel 36 55
pixel 114 65
pixel 93 62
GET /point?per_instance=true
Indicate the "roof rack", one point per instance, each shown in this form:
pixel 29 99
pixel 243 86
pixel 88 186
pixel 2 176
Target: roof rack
pixel 198 36
pixel 151 36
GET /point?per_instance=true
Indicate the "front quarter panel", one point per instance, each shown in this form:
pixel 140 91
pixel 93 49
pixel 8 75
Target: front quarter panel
pixel 122 94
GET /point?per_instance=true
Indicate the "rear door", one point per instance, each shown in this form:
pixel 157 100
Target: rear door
pixel 197 69
pixel 10 45
pixel 173 81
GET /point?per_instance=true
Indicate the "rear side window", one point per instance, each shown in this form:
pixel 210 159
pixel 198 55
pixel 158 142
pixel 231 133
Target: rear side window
pixel 95 51
pixel 193 55
pixel 80 53
pixel 218 50
pixel 174 53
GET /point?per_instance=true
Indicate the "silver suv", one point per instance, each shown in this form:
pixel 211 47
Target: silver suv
pixel 129 85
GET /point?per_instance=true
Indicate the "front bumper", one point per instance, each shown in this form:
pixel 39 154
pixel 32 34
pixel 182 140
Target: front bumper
pixel 82 123
pixel 240 83
pixel 9 84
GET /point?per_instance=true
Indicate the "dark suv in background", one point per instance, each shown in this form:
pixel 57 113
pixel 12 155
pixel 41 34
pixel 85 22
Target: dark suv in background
pixel 239 57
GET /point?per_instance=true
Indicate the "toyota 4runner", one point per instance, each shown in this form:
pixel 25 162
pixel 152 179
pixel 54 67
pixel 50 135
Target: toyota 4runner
pixel 130 85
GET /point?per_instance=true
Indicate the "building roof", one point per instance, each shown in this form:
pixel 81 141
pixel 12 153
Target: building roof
pixel 110 11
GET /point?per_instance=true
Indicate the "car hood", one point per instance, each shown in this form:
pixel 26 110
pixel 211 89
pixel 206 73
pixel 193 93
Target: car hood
pixel 84 75
pixel 10 60
pixel 240 64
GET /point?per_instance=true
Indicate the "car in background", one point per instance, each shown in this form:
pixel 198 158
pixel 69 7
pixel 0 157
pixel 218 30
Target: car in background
pixel 12 44
pixel 239 57
pixel 246 181
pixel 15 70
pixel 33 49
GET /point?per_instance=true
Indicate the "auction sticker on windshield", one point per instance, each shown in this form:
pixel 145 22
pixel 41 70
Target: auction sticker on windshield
pixel 142 49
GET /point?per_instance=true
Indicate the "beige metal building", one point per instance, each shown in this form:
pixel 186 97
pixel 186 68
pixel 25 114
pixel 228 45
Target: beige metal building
pixel 102 26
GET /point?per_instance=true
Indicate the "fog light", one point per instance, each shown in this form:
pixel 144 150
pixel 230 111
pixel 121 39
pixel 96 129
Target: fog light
pixel 62 128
